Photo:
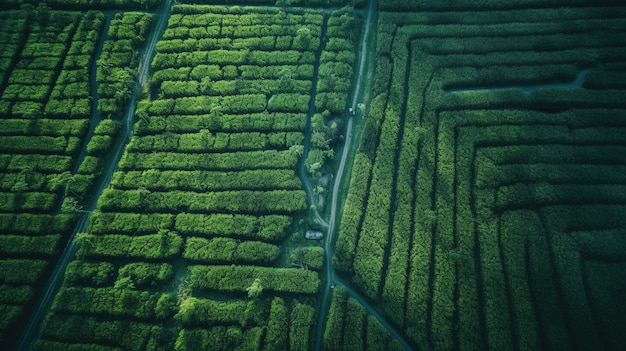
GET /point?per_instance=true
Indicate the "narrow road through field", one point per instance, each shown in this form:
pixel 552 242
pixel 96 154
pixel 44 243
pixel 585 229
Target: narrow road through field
pixel 302 173
pixel 331 280
pixel 58 273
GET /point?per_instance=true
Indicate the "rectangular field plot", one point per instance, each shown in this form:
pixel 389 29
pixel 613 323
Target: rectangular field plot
pixel 489 190
pixel 190 247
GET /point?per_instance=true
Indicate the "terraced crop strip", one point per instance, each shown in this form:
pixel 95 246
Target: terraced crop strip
pixel 487 202
pixel 188 248
pixel 44 109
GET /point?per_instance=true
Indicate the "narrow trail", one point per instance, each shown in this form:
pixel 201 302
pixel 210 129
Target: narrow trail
pixel 58 273
pixel 331 279
pixel 302 174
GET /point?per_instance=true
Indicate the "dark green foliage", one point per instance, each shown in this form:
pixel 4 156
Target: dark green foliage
pixel 271 202
pixel 238 278
pixel 278 326
pixel 207 180
pixel 486 175
pixel 113 302
pixel 16 295
pixel 308 257
pixel 224 250
pixel 35 224
pixel 267 228
pixel 128 223
pixel 145 275
pixel 117 64
pixel 25 245
pixel 99 4
pixel 351 220
pixel 21 271
pixel 154 246
pixel 218 338
pixel 89 273
pixel 214 122
pixel 406 5
pixel 194 311
pixel 301 318
pixel 128 335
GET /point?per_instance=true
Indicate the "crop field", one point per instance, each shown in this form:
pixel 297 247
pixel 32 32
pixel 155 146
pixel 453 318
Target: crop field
pixel 161 163
pixel 45 108
pixel 192 244
pixel 487 200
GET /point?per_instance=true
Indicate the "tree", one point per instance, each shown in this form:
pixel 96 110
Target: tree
pixel 303 38
pixel 255 289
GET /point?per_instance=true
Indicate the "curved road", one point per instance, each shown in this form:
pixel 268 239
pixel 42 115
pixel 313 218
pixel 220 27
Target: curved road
pixel 68 252
pixel 331 279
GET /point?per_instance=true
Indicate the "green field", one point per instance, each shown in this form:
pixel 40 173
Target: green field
pixel 161 164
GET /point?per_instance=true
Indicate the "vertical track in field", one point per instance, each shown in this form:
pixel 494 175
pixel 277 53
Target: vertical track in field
pixel 302 173
pixel 331 279
pixel 56 278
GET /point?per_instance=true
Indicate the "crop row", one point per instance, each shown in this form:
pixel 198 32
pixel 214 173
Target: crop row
pixel 208 180
pixel 349 327
pixel 204 141
pixel 261 122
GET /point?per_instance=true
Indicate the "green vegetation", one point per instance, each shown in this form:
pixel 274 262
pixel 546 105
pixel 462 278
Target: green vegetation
pixel 494 166
pixel 484 210
pixel 44 104
pixel 189 240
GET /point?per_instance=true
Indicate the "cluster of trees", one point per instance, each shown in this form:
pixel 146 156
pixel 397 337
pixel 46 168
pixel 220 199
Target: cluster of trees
pixel 29 270
pixel 27 245
pixel 352 216
pixel 322 136
pixel 36 162
pixel 117 65
pixel 89 273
